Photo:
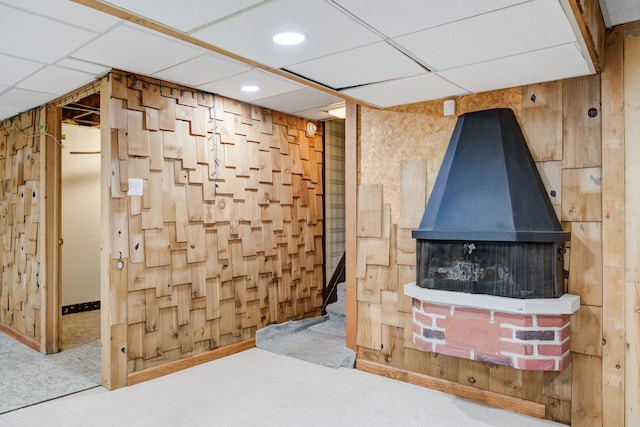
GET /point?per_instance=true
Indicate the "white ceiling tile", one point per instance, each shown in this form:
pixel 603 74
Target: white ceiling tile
pixel 79 65
pixel 298 100
pixel 203 69
pixel 556 63
pixel 249 34
pixel 522 28
pixel 56 80
pixel 131 49
pixel 6 112
pixel 12 69
pixel 269 84
pixel 617 12
pixel 184 15
pixel 36 38
pixel 367 64
pixel 405 91
pixel 24 99
pixel 67 11
pixel 37 33
pixel 394 18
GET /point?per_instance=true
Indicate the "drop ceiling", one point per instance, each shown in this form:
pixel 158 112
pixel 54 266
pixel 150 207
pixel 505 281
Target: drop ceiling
pixel 379 52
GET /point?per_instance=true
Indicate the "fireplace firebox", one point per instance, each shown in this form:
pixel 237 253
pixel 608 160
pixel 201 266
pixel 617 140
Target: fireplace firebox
pixel 506 269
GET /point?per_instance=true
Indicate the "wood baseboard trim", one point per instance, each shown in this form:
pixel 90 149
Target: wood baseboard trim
pixel 179 365
pixel 19 336
pixel 490 398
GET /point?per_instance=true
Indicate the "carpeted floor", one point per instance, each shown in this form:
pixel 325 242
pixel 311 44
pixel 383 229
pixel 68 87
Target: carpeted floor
pixel 260 388
pixel 317 340
pixel 29 377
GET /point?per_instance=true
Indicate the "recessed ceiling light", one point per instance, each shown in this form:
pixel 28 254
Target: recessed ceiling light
pixel 250 88
pixel 289 38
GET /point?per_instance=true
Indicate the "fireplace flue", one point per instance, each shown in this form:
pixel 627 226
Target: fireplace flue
pixel 489 226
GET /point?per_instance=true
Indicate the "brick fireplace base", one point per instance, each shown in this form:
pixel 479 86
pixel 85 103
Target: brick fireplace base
pixel 529 341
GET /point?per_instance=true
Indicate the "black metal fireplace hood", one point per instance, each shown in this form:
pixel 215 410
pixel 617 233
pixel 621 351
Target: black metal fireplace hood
pixel 488 188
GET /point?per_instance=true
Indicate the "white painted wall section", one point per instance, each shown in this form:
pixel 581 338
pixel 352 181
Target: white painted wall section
pixel 80 215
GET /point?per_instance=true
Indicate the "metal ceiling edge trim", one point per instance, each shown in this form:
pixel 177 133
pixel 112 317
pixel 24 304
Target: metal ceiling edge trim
pixel 117 12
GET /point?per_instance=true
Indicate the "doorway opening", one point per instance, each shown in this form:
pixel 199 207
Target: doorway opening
pixel 67 357
pixel 334 207
pixel 80 233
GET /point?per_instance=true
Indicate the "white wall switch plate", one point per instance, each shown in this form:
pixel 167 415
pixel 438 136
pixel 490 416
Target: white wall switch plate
pixel 135 187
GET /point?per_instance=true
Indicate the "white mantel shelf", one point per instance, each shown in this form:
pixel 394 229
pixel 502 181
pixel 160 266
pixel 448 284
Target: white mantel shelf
pixel 566 304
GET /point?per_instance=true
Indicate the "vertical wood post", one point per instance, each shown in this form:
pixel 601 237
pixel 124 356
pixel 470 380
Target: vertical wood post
pixel 613 233
pixel 113 329
pixel 351 214
pixel 631 293
pixel 49 231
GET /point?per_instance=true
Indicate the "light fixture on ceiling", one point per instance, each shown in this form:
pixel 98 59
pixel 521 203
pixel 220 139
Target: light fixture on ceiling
pixel 289 38
pixel 339 112
pixel 250 88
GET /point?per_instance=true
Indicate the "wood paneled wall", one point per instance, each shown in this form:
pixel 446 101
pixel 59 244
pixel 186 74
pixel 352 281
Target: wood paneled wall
pixel 227 236
pixel 20 219
pixel 565 124
pixel 622 371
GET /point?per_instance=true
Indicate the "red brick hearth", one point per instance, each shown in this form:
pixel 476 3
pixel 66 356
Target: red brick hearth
pixel 528 341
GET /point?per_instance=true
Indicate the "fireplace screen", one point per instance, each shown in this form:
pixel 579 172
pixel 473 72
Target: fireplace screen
pixel 507 269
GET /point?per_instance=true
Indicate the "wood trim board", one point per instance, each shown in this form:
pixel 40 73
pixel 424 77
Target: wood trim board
pixel 351 214
pixel 19 336
pixel 631 293
pixel 490 398
pixel 613 231
pixel 179 365
pixel 49 233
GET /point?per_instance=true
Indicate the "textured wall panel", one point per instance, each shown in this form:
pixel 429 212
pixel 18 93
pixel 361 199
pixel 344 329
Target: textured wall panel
pixel 20 211
pixel 223 240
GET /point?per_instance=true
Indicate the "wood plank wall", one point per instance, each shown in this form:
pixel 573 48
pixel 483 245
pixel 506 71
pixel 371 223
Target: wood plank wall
pixel 613 233
pixel 629 299
pixel 20 220
pixel 565 124
pixel 579 185
pixel 227 236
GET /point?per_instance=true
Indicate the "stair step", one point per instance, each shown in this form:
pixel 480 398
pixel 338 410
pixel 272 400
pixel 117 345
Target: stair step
pixel 290 327
pixel 337 310
pixel 330 327
pixel 316 340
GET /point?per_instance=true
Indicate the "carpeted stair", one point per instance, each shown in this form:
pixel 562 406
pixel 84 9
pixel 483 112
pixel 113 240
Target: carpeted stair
pixel 319 340
pixel 336 312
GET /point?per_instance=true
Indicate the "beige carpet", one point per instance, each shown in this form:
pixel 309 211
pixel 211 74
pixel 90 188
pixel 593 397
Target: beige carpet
pixel 260 388
pixel 29 377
